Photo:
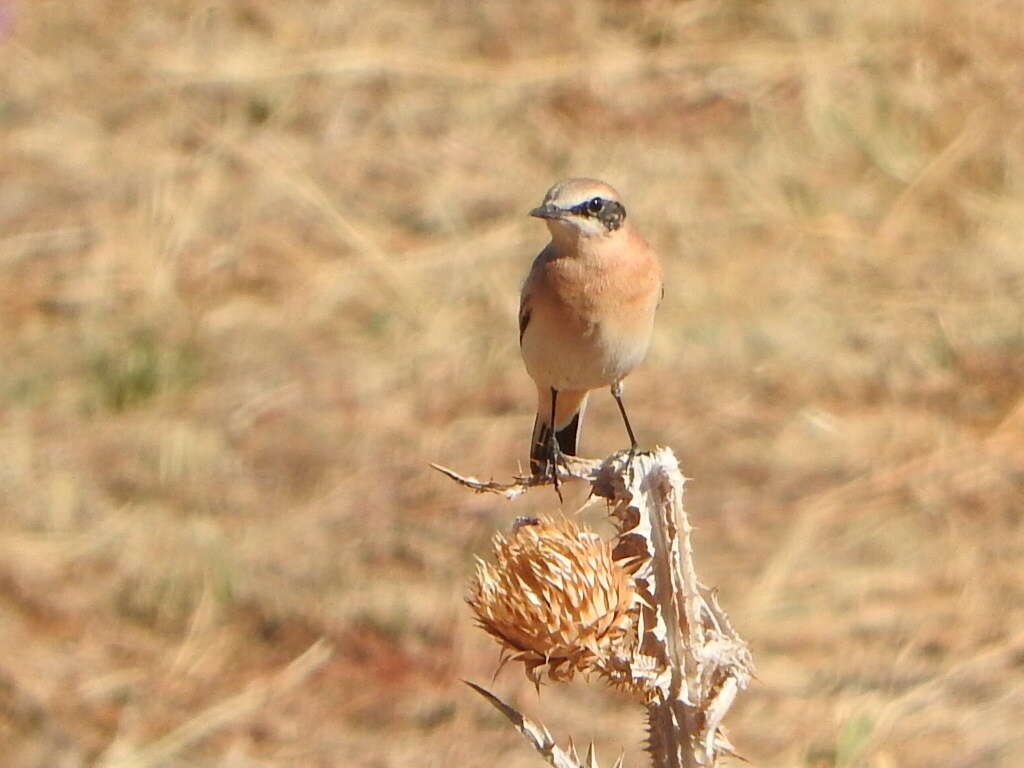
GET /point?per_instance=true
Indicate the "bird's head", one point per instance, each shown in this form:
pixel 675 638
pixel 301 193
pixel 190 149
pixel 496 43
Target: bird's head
pixel 581 208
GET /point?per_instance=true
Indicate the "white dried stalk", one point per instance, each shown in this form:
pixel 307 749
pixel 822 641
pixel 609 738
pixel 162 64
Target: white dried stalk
pixel 686 662
pixel 695 659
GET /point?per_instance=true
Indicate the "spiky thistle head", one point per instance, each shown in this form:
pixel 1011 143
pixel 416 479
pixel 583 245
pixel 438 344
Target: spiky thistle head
pixel 556 600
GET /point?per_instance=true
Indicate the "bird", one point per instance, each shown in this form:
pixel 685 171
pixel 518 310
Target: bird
pixel 586 313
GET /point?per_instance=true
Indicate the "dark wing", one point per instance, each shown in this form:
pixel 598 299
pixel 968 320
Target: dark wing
pixel 524 316
pixel 525 310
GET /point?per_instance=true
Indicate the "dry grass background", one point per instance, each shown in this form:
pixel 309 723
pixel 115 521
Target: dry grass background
pixel 260 265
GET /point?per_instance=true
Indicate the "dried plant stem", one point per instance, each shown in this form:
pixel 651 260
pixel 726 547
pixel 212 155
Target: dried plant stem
pixel 682 658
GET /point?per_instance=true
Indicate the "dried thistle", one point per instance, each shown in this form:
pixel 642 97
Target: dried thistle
pixel 555 599
pixel 563 601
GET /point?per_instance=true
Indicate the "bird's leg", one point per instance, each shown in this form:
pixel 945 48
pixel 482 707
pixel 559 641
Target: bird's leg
pixel 617 394
pixel 554 448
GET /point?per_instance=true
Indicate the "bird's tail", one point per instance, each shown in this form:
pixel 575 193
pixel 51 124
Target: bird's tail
pixel 569 408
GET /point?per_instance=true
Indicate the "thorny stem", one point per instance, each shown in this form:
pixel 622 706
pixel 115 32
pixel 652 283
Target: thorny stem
pixel 688 658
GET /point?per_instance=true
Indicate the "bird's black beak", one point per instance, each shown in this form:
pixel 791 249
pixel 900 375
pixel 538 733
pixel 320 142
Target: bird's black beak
pixel 547 211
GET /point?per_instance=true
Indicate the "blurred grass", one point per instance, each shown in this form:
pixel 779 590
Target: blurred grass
pixel 253 253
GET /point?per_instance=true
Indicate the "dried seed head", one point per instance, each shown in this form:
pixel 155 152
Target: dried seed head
pixel 555 600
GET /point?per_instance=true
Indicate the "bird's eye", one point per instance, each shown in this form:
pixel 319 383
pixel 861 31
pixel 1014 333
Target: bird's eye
pixel 595 205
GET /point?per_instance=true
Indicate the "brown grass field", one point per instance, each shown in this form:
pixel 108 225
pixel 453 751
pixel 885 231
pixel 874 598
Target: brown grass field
pixel 259 265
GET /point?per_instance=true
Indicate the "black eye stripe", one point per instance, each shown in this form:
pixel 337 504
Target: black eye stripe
pixel 595 206
pixel 609 212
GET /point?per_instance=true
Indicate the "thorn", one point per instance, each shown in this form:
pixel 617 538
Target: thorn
pixel 572 751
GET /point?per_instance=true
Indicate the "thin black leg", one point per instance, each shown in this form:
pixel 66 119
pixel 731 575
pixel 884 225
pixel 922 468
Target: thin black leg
pixel 555 448
pixel 617 394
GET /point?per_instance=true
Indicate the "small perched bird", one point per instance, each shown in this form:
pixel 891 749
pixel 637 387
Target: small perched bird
pixel 585 314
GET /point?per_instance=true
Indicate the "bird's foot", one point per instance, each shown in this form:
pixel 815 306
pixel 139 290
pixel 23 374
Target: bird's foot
pixel 632 453
pixel 556 458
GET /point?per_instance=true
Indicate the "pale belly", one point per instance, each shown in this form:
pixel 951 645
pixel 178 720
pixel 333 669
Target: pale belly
pixel 585 357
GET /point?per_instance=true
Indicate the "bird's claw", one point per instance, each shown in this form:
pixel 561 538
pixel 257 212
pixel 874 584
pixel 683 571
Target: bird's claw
pixel 557 457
